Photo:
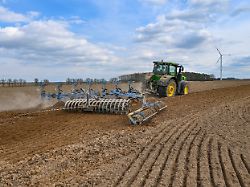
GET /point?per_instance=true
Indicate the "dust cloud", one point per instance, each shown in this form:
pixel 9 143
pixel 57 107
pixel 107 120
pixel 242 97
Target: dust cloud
pixel 22 100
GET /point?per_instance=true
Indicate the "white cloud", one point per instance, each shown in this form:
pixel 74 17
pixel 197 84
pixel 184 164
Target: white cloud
pixel 9 16
pixel 50 43
pixel 176 30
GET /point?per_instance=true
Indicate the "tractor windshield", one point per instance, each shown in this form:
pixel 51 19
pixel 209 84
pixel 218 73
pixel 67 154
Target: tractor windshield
pixel 160 69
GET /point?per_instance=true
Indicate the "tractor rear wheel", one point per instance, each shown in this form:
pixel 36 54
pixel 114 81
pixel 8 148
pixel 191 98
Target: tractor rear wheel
pixel 184 89
pixel 167 91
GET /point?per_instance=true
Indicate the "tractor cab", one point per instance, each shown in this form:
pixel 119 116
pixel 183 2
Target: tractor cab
pixel 168 68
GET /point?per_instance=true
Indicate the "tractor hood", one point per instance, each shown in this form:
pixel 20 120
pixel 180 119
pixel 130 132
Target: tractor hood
pixel 155 77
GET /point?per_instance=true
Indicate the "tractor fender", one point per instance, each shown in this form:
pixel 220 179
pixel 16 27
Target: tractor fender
pixel 164 81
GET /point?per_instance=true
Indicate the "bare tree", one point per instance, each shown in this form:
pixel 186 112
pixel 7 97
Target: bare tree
pixel 24 83
pixel 46 81
pixel 68 81
pixel 3 82
pixel 15 81
pixel 79 81
pixel 9 82
pixel 36 81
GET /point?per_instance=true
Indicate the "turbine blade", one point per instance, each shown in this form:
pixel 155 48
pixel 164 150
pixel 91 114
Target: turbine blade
pixel 218 51
pixel 218 60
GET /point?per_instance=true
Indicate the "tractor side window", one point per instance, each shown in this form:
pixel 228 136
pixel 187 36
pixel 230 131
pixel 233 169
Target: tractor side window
pixel 172 70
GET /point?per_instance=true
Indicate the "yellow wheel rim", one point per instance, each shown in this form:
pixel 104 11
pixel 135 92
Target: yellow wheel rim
pixel 171 90
pixel 186 90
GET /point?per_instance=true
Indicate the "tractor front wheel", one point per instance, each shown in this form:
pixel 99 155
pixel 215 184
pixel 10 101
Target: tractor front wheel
pixel 167 91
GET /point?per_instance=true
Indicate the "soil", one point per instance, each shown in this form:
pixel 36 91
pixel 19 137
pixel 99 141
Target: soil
pixel 200 139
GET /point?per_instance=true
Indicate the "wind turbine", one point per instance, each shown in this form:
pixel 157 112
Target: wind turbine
pixel 220 59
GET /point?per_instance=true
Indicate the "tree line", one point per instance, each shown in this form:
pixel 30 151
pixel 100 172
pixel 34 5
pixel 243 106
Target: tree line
pixel 13 82
pixel 70 81
pixel 192 76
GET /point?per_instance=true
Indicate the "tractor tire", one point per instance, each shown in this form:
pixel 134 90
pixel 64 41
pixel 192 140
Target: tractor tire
pixel 162 91
pixel 169 90
pixel 184 88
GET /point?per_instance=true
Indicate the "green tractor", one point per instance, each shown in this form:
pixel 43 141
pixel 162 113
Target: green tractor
pixel 167 80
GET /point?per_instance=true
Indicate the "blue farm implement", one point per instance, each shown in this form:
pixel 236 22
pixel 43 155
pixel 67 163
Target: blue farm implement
pixel 116 101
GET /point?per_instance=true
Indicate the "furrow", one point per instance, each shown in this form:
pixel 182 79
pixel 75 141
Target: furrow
pixel 157 169
pixel 182 161
pixel 147 167
pixel 169 165
pixel 133 168
pixel 190 182
pixel 131 173
pixel 241 168
pixel 226 166
pixel 118 181
pixel 214 164
pixel 203 177
pixel 209 153
pixel 190 172
pixel 245 163
pixel 238 170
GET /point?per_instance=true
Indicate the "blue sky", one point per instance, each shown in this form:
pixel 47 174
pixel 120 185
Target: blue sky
pixel 56 39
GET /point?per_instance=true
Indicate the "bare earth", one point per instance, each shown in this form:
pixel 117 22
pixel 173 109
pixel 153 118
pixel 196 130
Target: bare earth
pixel 201 139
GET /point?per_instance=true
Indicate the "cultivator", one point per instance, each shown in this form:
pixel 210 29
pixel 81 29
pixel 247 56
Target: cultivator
pixel 116 101
pixel 116 106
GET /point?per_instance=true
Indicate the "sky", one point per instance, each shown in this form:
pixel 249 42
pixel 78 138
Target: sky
pixel 57 39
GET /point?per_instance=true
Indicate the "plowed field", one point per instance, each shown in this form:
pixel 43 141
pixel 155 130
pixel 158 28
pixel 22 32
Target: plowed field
pixel 201 139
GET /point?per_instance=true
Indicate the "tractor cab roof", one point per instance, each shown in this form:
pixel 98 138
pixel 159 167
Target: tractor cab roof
pixel 166 63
